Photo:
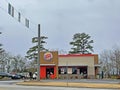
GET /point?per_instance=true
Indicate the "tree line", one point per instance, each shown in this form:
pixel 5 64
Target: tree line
pixel 12 63
pixel 81 44
pixel 110 61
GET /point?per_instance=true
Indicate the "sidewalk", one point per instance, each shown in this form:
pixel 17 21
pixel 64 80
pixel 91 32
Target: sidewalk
pixel 70 84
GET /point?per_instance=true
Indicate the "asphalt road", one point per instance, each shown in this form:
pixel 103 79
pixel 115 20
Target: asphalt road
pixel 10 85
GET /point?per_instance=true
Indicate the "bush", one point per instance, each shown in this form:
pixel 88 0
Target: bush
pixel 1 77
pixel 76 77
pixel 118 77
pixel 115 77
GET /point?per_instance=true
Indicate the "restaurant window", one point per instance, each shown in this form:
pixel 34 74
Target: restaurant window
pixel 74 70
pixel 62 70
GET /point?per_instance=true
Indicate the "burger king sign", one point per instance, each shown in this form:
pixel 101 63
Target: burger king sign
pixel 48 56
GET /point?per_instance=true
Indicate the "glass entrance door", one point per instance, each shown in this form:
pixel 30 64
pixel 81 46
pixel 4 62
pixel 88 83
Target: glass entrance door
pixel 49 72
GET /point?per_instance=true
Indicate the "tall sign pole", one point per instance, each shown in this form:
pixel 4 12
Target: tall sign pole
pixel 38 61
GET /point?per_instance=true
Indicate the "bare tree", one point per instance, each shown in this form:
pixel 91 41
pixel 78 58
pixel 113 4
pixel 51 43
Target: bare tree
pixel 105 62
pixel 110 61
pixel 116 59
pixel 18 63
pixel 5 61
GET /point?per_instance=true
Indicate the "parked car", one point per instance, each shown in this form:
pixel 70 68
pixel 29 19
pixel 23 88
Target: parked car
pixel 21 76
pixel 4 74
pixel 16 76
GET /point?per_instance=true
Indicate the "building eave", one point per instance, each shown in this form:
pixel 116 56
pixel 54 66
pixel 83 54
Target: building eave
pixel 76 55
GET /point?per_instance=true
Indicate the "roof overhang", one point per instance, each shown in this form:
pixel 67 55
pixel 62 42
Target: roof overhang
pixel 47 64
pixel 76 55
pixel 97 65
pixel 74 65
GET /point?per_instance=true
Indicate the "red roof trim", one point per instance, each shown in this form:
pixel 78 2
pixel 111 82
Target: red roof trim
pixel 76 55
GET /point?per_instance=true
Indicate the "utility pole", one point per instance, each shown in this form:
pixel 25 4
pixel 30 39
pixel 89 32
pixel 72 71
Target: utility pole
pixel 38 61
pixel 67 72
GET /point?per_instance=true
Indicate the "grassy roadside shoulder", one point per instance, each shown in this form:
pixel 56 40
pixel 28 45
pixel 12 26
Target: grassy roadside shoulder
pixel 4 78
pixel 71 84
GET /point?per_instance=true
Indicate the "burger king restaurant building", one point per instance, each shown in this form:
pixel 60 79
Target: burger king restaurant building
pixel 71 66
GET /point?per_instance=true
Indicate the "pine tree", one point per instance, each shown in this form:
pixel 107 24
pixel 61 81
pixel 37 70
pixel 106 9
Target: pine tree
pixel 33 51
pixel 81 44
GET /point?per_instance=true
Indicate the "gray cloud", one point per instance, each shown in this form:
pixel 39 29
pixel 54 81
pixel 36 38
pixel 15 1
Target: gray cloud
pixel 60 19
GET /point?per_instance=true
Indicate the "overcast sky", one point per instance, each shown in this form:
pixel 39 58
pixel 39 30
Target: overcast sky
pixel 60 20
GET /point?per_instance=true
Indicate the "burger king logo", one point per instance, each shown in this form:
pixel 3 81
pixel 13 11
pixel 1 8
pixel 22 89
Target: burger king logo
pixel 48 56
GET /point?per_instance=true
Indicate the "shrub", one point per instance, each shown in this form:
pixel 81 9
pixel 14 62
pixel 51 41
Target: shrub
pixel 1 77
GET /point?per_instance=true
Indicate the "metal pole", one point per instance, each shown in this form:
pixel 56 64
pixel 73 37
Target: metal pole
pixel 67 72
pixel 38 61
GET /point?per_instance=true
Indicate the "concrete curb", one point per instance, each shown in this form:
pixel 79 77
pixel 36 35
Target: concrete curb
pixel 70 84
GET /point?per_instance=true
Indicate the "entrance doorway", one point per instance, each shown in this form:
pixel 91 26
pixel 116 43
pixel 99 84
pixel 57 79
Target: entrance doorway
pixel 49 72
pixel 83 71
